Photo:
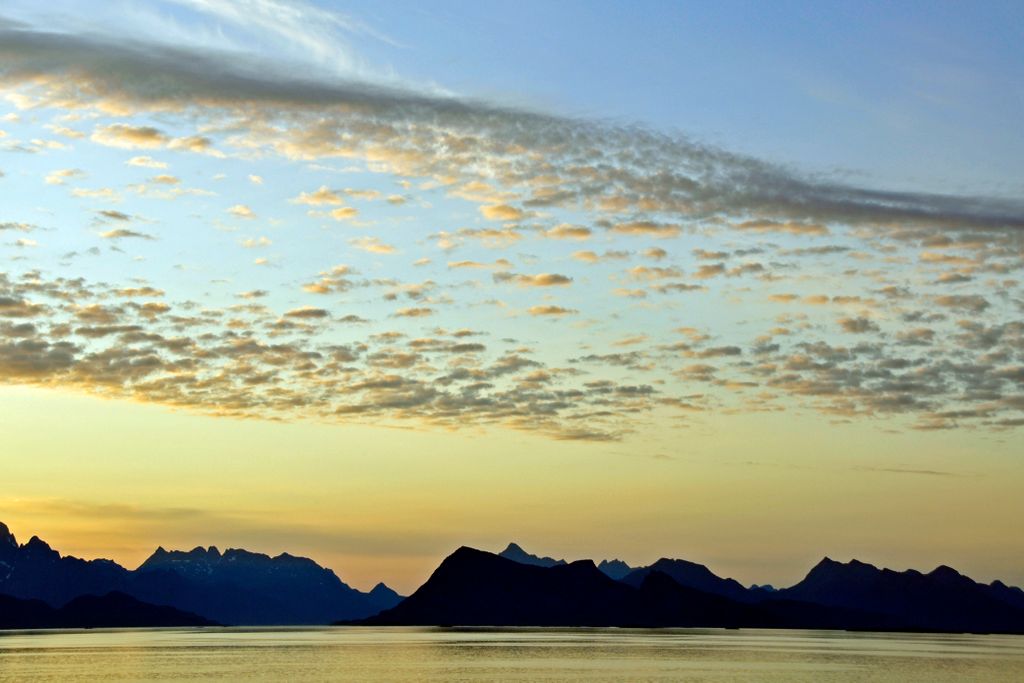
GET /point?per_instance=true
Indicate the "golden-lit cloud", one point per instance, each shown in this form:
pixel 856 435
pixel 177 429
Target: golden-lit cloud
pixel 123 233
pixel 129 137
pixel 241 211
pixel 145 162
pixel 320 197
pixel 501 212
pixel 646 229
pixel 565 231
pixel 416 312
pixel 372 245
pixel 343 213
pixel 550 311
pixel 61 176
pixel 537 280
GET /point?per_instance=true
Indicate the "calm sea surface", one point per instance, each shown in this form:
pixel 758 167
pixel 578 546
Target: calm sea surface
pixel 413 654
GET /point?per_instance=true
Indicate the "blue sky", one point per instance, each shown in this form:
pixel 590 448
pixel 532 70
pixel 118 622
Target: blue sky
pixel 918 94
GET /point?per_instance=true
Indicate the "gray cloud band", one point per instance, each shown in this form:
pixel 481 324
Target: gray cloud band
pixel 650 174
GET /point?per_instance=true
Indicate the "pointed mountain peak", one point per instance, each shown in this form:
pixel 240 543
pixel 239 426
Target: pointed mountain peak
pixel 382 590
pixel 516 553
pixel 465 550
pixel 6 537
pixel 827 562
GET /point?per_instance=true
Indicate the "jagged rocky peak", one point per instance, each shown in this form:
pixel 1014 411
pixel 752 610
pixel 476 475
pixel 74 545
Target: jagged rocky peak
pixel 7 539
pixel 616 568
pixel 516 553
pixel 176 559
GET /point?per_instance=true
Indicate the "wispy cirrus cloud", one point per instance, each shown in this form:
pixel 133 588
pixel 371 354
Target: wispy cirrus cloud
pixel 681 179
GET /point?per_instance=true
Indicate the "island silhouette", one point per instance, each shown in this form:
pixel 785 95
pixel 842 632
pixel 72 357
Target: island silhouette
pixel 40 588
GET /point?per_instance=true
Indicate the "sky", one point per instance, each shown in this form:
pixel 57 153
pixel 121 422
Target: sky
pixel 738 283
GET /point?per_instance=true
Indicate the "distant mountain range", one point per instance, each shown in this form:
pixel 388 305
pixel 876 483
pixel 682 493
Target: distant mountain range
pixel 941 600
pixel 616 569
pixel 473 587
pixel 39 588
pixel 234 587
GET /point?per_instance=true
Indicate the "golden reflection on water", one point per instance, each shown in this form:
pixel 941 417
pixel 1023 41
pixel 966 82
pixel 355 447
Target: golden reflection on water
pixel 417 654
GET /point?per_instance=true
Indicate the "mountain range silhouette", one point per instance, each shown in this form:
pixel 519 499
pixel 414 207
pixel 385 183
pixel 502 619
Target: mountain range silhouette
pixel 233 587
pixel 476 588
pixel 39 588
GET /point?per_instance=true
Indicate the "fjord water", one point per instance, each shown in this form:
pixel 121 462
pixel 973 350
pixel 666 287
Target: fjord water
pixel 418 654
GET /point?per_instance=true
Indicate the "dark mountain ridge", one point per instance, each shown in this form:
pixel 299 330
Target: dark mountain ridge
pixel 475 588
pixel 695 576
pixel 243 587
pixel 234 587
pixel 942 600
pixel 113 610
pixel 472 587
pixel 35 570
